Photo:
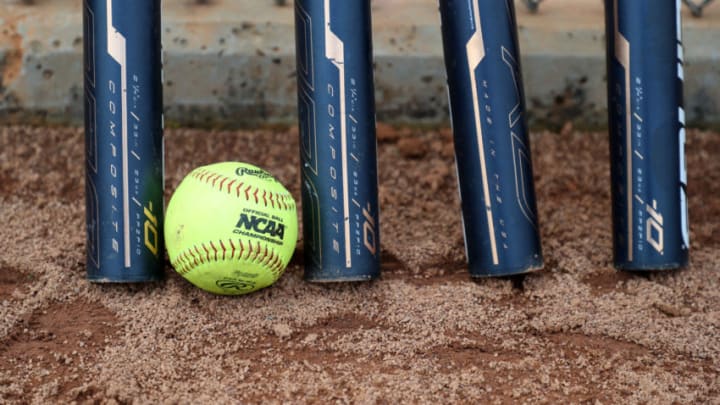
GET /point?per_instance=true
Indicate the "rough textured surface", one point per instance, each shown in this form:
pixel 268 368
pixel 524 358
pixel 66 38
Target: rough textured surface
pixel 578 331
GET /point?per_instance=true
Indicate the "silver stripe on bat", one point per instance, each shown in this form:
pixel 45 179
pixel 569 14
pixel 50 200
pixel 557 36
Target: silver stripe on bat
pixel 475 49
pixel 684 221
pixel 335 52
pixel 117 49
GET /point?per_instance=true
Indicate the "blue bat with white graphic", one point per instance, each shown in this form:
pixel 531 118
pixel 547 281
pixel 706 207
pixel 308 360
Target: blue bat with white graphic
pixel 647 134
pixel 491 138
pixel 123 139
pixel 337 140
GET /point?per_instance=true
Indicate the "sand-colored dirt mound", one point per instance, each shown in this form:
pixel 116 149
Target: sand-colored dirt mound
pixel 578 331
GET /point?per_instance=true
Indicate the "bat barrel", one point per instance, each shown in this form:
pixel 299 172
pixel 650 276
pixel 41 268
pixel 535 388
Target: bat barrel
pixel 647 134
pixel 337 140
pixel 123 139
pixel 491 137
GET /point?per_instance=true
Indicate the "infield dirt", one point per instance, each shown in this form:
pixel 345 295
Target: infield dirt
pixel 579 331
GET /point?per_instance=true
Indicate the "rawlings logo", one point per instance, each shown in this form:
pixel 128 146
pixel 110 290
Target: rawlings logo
pixel 233 284
pixel 259 173
pixel 259 225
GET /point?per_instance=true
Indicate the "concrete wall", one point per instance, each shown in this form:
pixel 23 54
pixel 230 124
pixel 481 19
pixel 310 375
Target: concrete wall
pixel 231 62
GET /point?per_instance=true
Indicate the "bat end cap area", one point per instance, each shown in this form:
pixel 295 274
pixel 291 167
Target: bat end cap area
pixel 338 277
pixel 489 273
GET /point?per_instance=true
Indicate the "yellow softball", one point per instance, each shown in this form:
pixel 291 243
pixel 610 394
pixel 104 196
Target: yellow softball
pixel 230 228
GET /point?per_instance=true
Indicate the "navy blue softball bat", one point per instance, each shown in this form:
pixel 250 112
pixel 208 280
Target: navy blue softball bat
pixel 647 134
pixel 337 140
pixel 491 138
pixel 123 139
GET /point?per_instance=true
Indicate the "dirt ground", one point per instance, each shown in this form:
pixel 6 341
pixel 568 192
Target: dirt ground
pixel 579 331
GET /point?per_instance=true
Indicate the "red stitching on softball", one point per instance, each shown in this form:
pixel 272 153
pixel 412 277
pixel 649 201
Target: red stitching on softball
pixel 265 253
pixel 268 259
pixel 199 255
pixel 257 253
pixel 214 178
pixel 222 246
pixel 193 258
pixel 227 184
pixel 187 261
pixel 242 250
pixel 233 248
pixel 203 173
pixel 214 249
pixel 288 205
pixel 207 252
pixel 249 249
pixel 276 261
pixel 182 262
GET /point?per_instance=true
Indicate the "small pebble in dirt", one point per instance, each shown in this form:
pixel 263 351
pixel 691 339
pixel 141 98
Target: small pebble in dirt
pixel 282 330
pixel 310 338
